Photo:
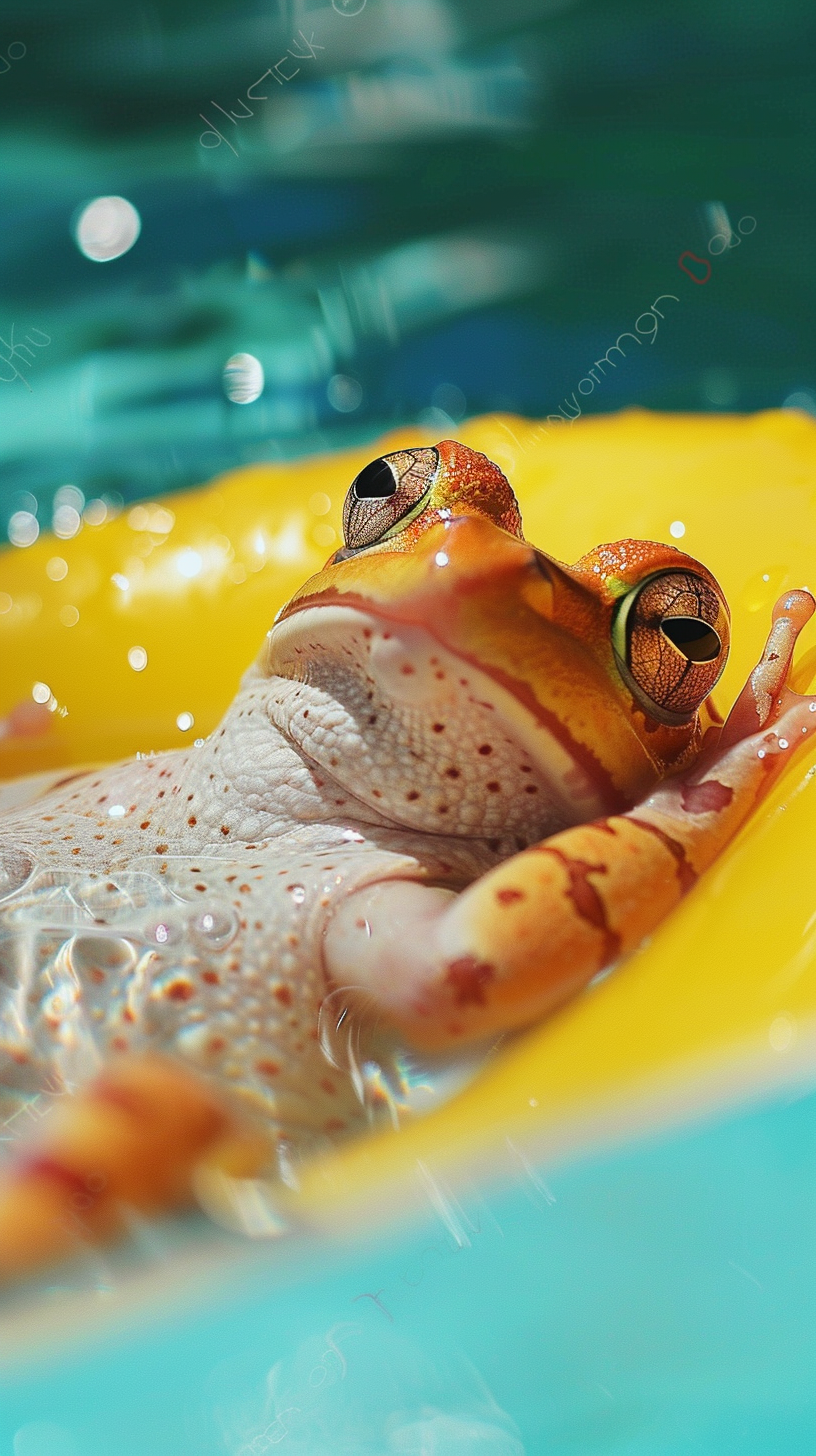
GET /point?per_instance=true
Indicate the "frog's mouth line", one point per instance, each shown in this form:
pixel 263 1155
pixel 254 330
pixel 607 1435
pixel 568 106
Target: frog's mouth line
pixel 579 784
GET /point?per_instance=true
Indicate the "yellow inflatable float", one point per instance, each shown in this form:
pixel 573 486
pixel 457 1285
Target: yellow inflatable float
pixel 132 635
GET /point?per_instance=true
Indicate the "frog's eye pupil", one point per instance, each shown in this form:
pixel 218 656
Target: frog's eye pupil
pixel 695 639
pixel 386 494
pixel 670 638
pixel 375 482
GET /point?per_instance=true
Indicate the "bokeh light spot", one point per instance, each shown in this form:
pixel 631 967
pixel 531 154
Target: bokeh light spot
pixel 188 563
pixel 243 378
pixel 106 228
pixel 23 528
pixel 344 393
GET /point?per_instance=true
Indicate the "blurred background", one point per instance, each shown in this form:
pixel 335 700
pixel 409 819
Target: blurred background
pixel 339 217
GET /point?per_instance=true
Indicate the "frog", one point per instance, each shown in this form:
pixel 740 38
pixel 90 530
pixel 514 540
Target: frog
pixel 461 780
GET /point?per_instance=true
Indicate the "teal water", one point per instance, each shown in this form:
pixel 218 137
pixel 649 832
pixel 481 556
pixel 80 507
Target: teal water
pixel 659 1300
pixel 432 208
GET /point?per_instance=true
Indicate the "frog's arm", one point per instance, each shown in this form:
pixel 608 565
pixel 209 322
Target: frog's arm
pixel 531 932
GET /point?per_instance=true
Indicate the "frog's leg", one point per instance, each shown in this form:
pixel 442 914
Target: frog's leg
pixel 130 1140
pixel 531 932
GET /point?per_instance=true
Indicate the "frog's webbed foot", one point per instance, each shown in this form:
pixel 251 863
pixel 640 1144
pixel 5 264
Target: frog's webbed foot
pixel 133 1139
pixel 766 697
pixel 533 931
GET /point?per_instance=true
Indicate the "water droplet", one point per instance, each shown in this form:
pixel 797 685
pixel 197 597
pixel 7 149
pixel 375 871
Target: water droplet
pixel 137 657
pixel 90 955
pixel 297 892
pixel 677 529
pixel 214 926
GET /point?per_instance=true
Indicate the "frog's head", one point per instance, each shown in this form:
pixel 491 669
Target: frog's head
pixel 459 680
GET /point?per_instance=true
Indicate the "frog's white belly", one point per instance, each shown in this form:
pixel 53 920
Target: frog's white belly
pixel 213 959
pixel 177 903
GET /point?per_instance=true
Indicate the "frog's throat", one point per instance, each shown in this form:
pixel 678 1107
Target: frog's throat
pixel 426 697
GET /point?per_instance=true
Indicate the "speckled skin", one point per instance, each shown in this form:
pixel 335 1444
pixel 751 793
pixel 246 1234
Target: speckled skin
pixel 244 827
pixel 446 708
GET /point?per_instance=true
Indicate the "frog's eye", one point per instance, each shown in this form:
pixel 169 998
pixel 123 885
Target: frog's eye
pixel 385 493
pixel 671 636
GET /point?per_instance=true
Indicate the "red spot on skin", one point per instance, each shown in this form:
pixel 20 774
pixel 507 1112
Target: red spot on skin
pixel 685 873
pixel 200 887
pixel 211 977
pixel 224 829
pixel 531 788
pixel 146 824
pixel 468 978
pixel 96 975
pixel 707 798
pixel 328 1086
pixel 216 1044
pixel 414 794
pixel 485 749
pixel 438 727
pixel 493 787
pixel 334 1124
pixel 119 1044
pixel 509 897
pixel 259 925
pixel 84 1189
pixel 75 851
pixel 179 991
pixel 283 994
pixel 127 1015
pixel 407 670
pixel 267 1069
pixel 192 820
pixel 161 848
pixel 586 899
pixel 452 773
pixel 243 889
pixel 230 879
